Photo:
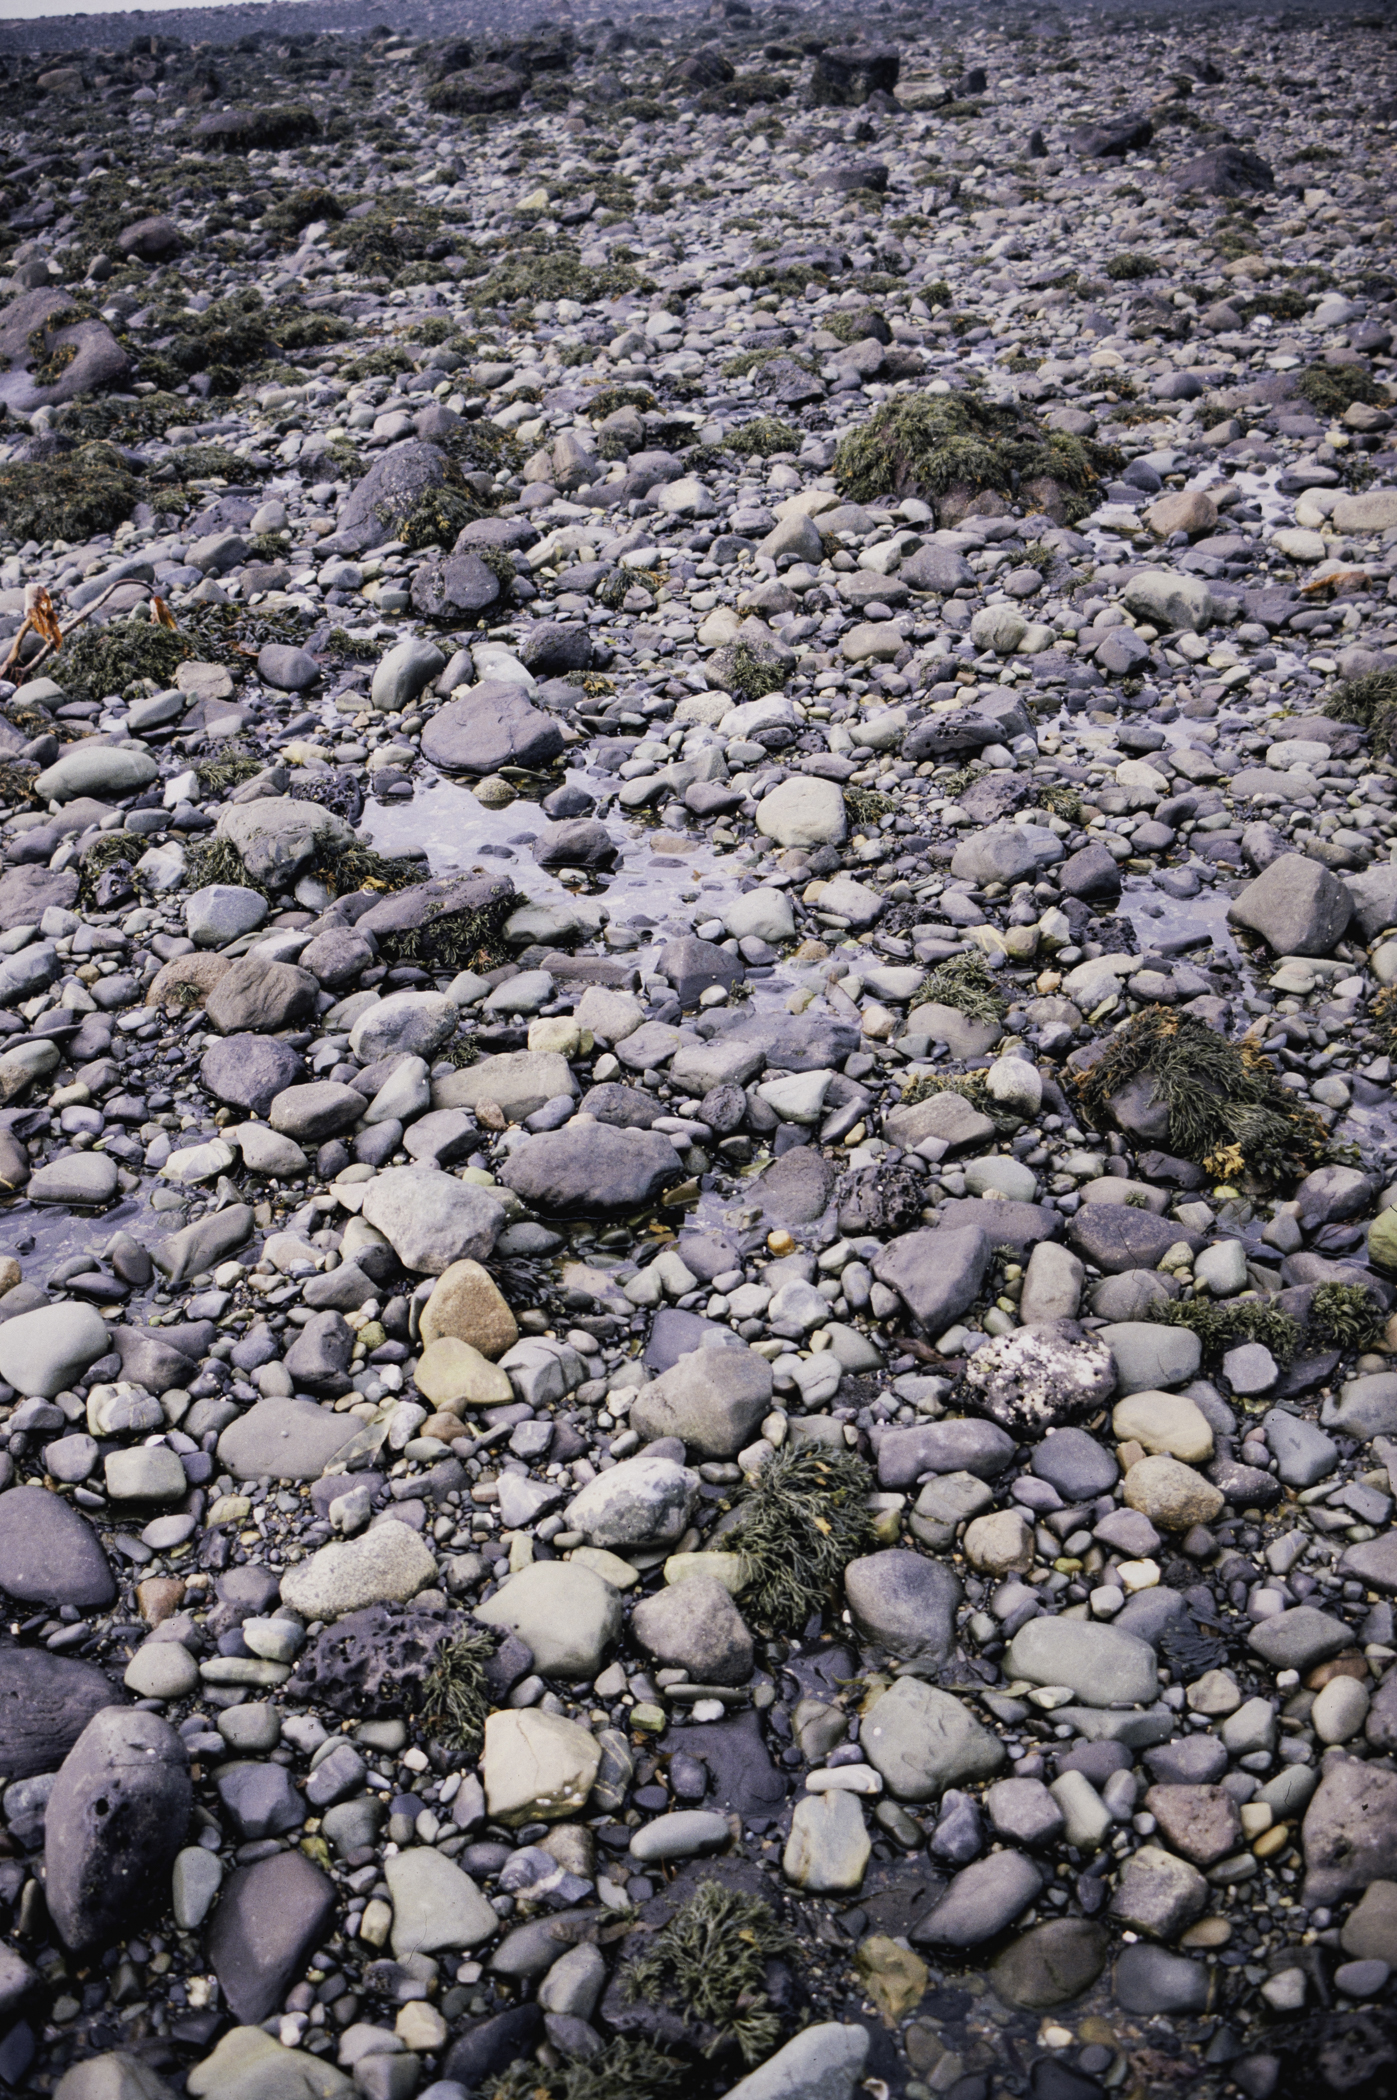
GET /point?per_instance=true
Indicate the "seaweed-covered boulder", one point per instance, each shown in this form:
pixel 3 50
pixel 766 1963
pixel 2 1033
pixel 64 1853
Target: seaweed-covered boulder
pixel 394 484
pixel 35 331
pixel 444 922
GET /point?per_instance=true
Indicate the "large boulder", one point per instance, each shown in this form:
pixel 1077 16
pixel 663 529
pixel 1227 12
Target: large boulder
pixel 1296 905
pixel 279 839
pixel 587 1168
pixel 936 1273
pixel 41 329
pixel 394 484
pixel 431 1219
pixel 116 1818
pixel 491 726
pixel 260 997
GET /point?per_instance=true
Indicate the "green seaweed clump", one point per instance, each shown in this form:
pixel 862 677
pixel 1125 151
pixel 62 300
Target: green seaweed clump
pixel 218 775
pixel 456 1696
pixel 748 361
pixel 109 850
pixel 865 807
pixel 1371 703
pixel 344 869
pixel 1333 388
pixel 1346 1316
pixel 853 324
pixel 377 364
pixel 928 445
pixel 611 591
pixel 293 213
pixel 1220 1324
pixel 609 398
pixel 559 275
pixel 295 328
pixel 147 416
pixel 710 1962
pixel 1063 801
pixel 437 517
pixel 70 497
pixel 1125 266
pixel 751 677
pixel 1227 1108
pixel 971 1086
pixel 623 2070
pixel 968 984
pixel 762 438
pixel 210 860
pixel 802 1520
pixel 98 661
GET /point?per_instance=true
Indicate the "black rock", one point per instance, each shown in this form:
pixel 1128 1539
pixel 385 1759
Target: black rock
pixel 1226 171
pixel 493 2045
pixel 1114 139
pixel 118 1814
pixel 46 1701
pixel 269 1919
pixel 49 1554
pixel 374 1661
pixel 742 1779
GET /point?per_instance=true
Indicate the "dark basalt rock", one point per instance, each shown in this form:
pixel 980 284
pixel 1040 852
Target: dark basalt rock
pixel 269 1917
pixel 49 1554
pixel 46 1701
pixel 116 1818
pixel 375 1661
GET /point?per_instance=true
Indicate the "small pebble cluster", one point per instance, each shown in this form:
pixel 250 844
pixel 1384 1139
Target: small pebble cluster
pixel 698 927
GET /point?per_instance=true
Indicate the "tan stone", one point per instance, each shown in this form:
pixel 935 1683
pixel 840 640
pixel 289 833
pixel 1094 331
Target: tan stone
pixel 466 1304
pixel 450 1370
pixel 1171 1494
pixel 1188 510
pixel 187 980
pixel 1000 1543
pixel 537 1766
pixel 1215 1693
pixel 1167 1422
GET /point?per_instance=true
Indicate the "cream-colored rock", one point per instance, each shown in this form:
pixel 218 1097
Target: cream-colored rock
pixel 1000 1543
pixel 1167 1422
pixel 387 1564
pixel 466 1303
pixel 450 1373
pixel 537 1767
pixel 1171 1494
pixel 1215 1694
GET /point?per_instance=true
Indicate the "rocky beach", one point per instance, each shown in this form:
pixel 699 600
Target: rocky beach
pixel 698 991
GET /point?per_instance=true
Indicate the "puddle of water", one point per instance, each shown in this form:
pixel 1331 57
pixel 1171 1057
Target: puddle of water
pixel 1156 916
